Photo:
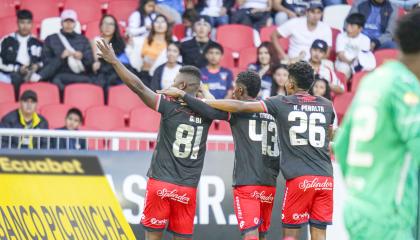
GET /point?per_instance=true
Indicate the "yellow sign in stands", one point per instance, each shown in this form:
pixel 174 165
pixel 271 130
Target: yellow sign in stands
pixel 58 197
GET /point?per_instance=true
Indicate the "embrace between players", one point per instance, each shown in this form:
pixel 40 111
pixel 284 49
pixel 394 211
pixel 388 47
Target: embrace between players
pixel 291 133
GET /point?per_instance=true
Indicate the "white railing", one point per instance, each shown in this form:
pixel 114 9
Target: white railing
pixel 100 140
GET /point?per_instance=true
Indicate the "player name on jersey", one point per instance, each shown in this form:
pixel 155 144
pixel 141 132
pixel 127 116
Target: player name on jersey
pixel 309 108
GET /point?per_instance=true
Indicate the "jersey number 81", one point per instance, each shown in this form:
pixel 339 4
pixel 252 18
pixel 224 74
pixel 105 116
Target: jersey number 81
pixel 183 145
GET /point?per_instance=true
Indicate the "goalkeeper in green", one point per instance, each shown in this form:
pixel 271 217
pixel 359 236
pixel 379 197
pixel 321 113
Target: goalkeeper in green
pixel 378 145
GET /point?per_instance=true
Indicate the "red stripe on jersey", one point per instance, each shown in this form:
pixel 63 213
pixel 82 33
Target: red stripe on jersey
pixel 264 106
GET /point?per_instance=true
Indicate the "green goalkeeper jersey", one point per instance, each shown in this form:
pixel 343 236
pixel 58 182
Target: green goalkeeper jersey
pixel 378 146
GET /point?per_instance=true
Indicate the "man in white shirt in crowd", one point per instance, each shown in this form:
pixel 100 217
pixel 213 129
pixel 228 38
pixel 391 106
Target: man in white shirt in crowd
pixel 350 44
pixel 20 53
pixel 323 67
pixel 302 32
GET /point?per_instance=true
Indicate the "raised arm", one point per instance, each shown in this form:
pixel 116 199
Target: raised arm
pixel 131 80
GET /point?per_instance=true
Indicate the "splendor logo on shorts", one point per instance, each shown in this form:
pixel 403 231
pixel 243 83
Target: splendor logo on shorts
pixel 261 196
pixel 306 184
pixel 173 195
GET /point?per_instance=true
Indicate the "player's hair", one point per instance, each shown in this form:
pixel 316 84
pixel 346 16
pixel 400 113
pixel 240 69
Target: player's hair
pixel 192 75
pixel 213 45
pixel 302 74
pixel 24 15
pixel 252 82
pixel 357 19
pixel 327 93
pixel 407 34
pixel 75 111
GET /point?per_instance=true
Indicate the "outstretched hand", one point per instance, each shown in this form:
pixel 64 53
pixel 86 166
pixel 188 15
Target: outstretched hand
pixel 172 92
pixel 106 52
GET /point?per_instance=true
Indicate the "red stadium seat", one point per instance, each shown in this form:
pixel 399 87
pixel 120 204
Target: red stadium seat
pixel 47 93
pixel 7 92
pixel 384 55
pixel 355 80
pixel 341 104
pixel 236 71
pixel 335 33
pixel 104 118
pixel 223 128
pixel 92 29
pixel 7 107
pixel 134 144
pixel 8 25
pixel 87 10
pixel 235 36
pixel 122 9
pixel 83 95
pixel 145 119
pixel 123 98
pixel 227 60
pixel 55 114
pixel 247 56
pixel 179 31
pixel 265 35
pixel 7 8
pixel 342 79
pixel 41 8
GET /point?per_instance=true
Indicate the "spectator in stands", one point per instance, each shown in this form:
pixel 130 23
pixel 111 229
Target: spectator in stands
pixel 105 75
pixel 164 75
pixel 20 53
pixel 171 9
pixel 217 79
pixel 289 9
pixel 74 119
pixel 215 10
pixel 140 21
pixel 146 53
pixel 321 87
pixel 280 76
pixel 253 13
pixel 302 32
pixel 351 44
pixel 381 18
pixel 323 67
pixel 192 51
pixel 67 55
pixel 266 60
pixel 189 17
pixel 25 117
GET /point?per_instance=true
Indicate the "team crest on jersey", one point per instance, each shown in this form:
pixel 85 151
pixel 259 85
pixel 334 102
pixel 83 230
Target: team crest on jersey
pixel 411 98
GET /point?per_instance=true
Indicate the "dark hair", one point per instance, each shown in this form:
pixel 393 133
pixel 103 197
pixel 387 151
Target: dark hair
pixel 274 85
pixel 193 72
pixel 24 15
pixel 252 82
pixel 407 34
pixel 168 34
pixel 274 58
pixel 302 74
pixel 117 40
pixel 143 3
pixel 176 44
pixel 213 45
pixel 191 15
pixel 327 93
pixel 356 18
pixel 75 111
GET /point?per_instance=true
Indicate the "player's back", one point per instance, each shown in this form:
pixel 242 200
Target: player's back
pixel 256 149
pixel 303 122
pixel 181 144
pixel 380 174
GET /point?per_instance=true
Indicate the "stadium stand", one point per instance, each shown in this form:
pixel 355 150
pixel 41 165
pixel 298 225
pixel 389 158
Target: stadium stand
pixel 335 15
pixel 8 25
pixel 7 107
pixel 41 9
pixel 104 118
pixel 341 104
pixel 144 119
pixel 384 55
pixel 7 9
pixel 123 98
pixel 121 9
pixel 228 61
pixel 355 80
pixel 247 56
pixel 91 29
pixel 53 25
pixel 55 114
pixel 90 10
pixel 179 31
pixel 235 37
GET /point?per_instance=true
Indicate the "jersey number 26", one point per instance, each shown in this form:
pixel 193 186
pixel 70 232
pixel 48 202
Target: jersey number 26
pixel 316 133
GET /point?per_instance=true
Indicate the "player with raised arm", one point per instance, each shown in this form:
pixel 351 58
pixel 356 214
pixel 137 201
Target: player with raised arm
pixel 179 155
pixel 378 145
pixel 256 155
pixel 303 122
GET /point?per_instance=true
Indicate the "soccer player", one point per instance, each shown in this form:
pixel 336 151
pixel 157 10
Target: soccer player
pixel 256 155
pixel 378 145
pixel 304 124
pixel 178 158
